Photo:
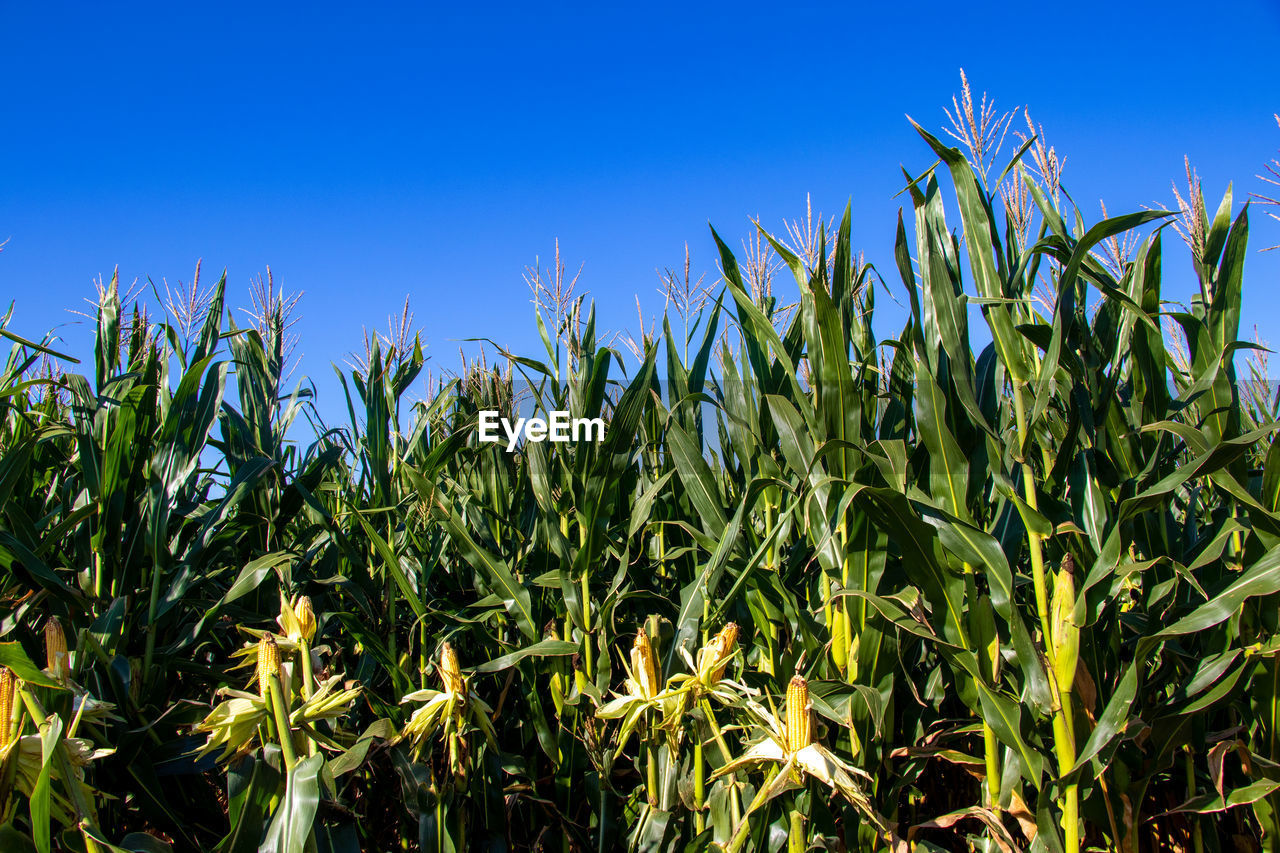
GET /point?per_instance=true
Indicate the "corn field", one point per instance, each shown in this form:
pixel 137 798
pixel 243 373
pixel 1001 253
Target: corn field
pixel 1007 580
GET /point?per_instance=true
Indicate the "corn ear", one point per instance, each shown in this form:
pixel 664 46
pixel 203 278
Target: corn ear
pixel 1066 633
pixel 798 731
pixel 8 687
pixel 644 665
pixel 306 618
pixel 268 662
pixel 714 656
pixel 55 649
pixel 450 672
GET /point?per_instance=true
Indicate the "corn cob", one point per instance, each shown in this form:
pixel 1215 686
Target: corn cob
pixel 798 732
pixel 306 618
pixel 268 662
pixel 450 672
pixel 644 666
pixel 55 648
pixel 1066 633
pixel 715 655
pixel 8 686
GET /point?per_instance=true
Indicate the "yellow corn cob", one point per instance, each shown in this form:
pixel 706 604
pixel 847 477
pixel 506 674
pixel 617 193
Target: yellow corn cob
pixel 1066 633
pixel 714 657
pixel 268 662
pixel 55 648
pixel 798 734
pixel 644 666
pixel 8 686
pixel 306 618
pixel 450 672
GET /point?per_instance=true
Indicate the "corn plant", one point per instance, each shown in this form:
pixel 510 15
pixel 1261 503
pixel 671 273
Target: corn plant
pixel 1005 578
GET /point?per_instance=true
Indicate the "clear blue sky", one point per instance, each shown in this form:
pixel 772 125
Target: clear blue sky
pixel 369 153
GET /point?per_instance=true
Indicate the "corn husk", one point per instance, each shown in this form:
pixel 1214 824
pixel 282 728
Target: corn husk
pixel 644 666
pixel 714 657
pixel 1066 633
pixel 306 618
pixel 297 620
pixel 450 672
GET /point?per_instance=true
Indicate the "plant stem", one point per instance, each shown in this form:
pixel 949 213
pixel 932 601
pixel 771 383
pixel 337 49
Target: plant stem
pixel 284 733
pixel 735 805
pixel 991 748
pixel 1197 832
pixel 699 786
pixel 651 767
pixel 842 613
pixel 1063 736
pixel 588 653
pixel 97 573
pixel 152 606
pixel 308 677
pixel 796 841
pixel 1034 540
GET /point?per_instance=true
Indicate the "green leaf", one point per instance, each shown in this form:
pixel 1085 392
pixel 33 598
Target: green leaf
pixel 542 649
pixel 353 757
pixel 141 842
pixel 291 825
pixel 1262 578
pixel 13 656
pixel 1114 717
pixel 252 784
pixel 40 794
pixel 697 478
pixel 494 569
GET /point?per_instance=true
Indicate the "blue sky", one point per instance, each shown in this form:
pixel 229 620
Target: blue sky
pixel 435 151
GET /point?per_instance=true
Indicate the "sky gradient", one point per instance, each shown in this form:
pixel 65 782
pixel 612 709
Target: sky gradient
pixel 435 152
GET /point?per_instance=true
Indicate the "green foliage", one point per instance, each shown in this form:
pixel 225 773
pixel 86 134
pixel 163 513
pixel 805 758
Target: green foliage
pixel 1027 574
